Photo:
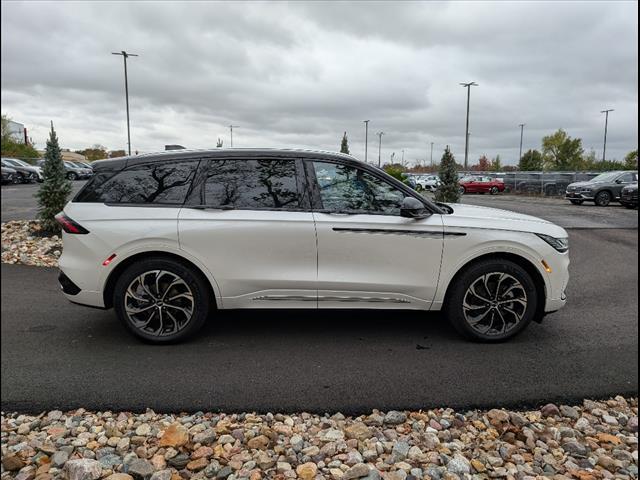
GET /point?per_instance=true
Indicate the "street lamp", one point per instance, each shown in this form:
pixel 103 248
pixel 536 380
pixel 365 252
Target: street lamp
pixel 231 127
pixel 606 122
pixel 432 155
pixel 521 134
pixel 125 55
pixel 379 145
pixel 366 138
pixel 466 145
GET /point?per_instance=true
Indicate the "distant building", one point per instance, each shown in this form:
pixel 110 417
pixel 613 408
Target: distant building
pixel 17 132
pixel 68 155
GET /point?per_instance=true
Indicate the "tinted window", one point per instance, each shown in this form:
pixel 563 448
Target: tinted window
pixel 252 184
pixel 348 189
pixel 160 183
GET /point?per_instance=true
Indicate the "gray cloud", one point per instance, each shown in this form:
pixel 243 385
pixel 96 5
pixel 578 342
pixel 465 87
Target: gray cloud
pixel 299 74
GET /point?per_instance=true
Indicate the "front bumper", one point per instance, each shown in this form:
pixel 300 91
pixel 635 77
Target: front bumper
pixel 629 199
pixel 578 196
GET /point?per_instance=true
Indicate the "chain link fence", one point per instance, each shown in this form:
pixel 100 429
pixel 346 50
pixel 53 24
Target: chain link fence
pixel 537 183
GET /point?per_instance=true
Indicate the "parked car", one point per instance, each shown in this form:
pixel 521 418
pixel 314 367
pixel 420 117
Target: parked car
pixel 427 182
pixel 197 231
pixel 629 196
pixel 75 172
pixel 9 175
pixel 481 184
pixel 84 166
pixel 26 173
pixel 602 189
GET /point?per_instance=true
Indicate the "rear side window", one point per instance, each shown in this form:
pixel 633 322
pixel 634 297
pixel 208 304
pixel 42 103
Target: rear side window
pixel 154 183
pixel 252 184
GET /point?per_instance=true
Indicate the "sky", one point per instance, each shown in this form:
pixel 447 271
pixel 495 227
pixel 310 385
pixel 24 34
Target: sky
pixel 299 74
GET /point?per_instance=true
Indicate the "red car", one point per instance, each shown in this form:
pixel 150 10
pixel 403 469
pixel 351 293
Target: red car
pixel 481 185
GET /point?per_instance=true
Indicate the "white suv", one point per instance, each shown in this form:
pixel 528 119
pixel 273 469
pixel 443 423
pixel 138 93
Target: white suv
pixel 168 238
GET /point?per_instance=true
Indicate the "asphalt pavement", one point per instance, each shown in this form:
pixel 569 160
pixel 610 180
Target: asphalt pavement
pixel 59 355
pixel 19 201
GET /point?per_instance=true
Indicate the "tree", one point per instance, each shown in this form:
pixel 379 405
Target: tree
pixel 449 189
pixel 55 189
pixel 97 152
pixel 496 164
pixel 631 160
pixel 531 161
pixel 482 165
pixel 117 153
pixel 219 143
pixel 344 145
pixel 561 152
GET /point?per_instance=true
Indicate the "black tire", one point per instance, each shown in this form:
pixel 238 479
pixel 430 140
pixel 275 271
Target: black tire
pixel 17 179
pixel 603 198
pixel 494 191
pixel 576 202
pixel 196 283
pixel 419 188
pixel 454 310
pixel 630 206
pixel 72 176
pixel 462 190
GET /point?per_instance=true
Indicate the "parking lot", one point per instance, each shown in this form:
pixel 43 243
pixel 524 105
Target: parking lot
pixel 56 354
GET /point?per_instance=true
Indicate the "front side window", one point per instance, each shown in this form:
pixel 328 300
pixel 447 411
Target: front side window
pixel 629 178
pixel 252 184
pixel 154 183
pixel 348 189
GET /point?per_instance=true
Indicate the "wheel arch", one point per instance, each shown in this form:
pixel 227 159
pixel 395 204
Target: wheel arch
pixel 519 260
pixel 124 264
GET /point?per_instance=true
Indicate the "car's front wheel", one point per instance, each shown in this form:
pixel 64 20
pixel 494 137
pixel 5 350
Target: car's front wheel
pixel 494 191
pixel 492 301
pixel 161 300
pixel 603 198
pixel 462 190
pixel 72 176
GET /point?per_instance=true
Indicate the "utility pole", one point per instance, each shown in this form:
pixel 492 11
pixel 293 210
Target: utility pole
pixel 521 134
pixel 125 55
pixel 231 127
pixel 606 122
pixel 431 155
pixel 466 145
pixel 366 138
pixel 379 145
pixel 402 162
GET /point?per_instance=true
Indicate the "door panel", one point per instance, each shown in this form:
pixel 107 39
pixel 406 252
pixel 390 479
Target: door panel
pixel 377 261
pixel 260 259
pixel 249 221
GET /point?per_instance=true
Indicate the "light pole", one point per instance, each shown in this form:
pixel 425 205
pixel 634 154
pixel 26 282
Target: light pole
pixel 231 127
pixel 521 134
pixel 366 138
pixel 606 122
pixel 466 145
pixel 402 162
pixel 125 55
pixel 379 145
pixel 432 155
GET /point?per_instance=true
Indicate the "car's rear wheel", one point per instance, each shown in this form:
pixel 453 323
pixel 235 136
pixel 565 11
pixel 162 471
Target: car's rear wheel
pixel 494 191
pixel 576 202
pixel 17 178
pixel 603 198
pixel 419 188
pixel 72 176
pixel 492 301
pixel 160 300
pixel 629 205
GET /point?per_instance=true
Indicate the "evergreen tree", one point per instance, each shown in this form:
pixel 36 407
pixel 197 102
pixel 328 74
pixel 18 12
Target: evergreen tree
pixel 496 164
pixel 54 191
pixel 449 189
pixel 344 145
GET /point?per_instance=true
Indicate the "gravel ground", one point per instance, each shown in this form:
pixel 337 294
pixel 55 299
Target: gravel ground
pixel 22 242
pixel 596 440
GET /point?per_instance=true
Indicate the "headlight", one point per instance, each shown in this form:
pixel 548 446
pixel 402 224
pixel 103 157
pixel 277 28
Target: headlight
pixel 560 244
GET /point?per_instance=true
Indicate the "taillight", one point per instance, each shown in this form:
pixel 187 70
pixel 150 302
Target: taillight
pixel 70 226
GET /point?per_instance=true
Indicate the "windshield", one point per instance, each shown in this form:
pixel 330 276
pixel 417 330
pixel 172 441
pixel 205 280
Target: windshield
pixel 605 177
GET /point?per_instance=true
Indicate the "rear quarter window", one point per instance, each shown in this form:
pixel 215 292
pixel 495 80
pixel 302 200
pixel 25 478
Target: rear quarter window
pixel 164 183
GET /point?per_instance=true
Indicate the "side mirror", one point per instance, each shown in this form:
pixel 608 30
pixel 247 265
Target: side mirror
pixel 413 208
pixel 619 180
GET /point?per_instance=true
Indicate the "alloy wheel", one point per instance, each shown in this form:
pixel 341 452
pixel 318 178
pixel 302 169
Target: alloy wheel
pixel 603 199
pixel 159 303
pixel 494 303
